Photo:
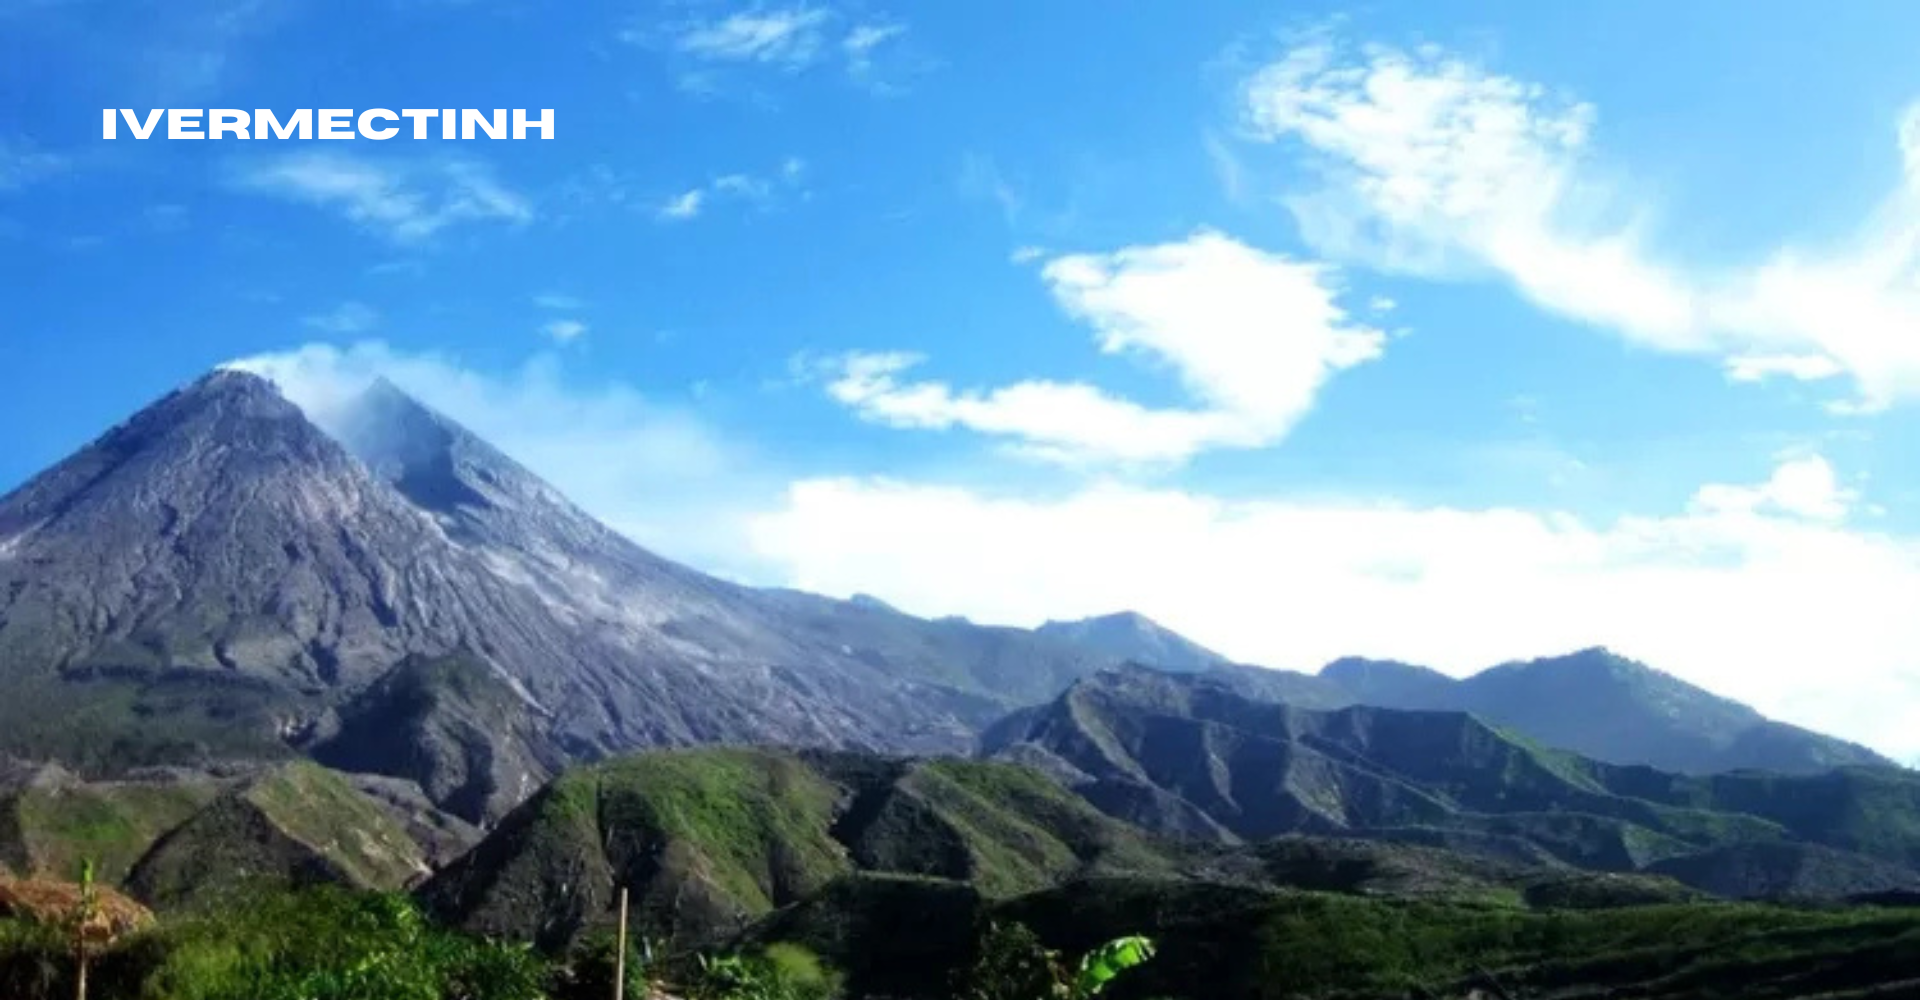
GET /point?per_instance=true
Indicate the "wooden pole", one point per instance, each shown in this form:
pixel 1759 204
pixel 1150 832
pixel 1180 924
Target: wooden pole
pixel 620 952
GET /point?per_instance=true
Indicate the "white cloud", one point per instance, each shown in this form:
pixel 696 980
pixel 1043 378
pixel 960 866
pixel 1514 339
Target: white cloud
pixel 780 38
pixel 683 206
pixel 345 318
pixel 559 302
pixel 1435 166
pixel 743 185
pixel 785 36
pixel 565 331
pixel 1805 486
pixel 787 178
pixel 1252 336
pixel 658 473
pixel 1802 616
pixel 861 42
pixel 406 203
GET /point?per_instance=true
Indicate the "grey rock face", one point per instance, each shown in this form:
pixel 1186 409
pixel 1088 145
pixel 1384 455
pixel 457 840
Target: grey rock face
pixel 1603 705
pixel 1187 754
pixel 1131 636
pixel 220 542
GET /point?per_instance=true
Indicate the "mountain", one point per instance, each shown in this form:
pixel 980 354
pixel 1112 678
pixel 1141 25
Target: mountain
pixel 707 838
pixel 1605 706
pixel 1127 636
pixel 220 578
pixel 1592 702
pixel 178 840
pixel 1191 756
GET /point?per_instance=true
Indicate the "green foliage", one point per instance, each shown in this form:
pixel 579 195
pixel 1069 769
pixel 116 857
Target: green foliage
pixel 1014 965
pixel 33 960
pixel 780 972
pixel 1099 966
pixel 588 971
pixel 336 945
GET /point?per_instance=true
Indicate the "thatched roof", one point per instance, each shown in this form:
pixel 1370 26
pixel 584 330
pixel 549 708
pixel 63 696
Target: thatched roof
pixel 51 902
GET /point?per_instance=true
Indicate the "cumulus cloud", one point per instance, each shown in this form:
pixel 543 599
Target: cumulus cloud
pixel 654 471
pixel 1435 166
pixel 405 203
pixel 1251 336
pixel 1759 592
pixel 1805 486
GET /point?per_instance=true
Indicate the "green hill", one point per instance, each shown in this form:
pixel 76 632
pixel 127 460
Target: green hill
pixel 179 840
pixel 706 839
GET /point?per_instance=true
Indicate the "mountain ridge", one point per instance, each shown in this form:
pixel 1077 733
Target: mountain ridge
pixel 1190 756
pixel 221 578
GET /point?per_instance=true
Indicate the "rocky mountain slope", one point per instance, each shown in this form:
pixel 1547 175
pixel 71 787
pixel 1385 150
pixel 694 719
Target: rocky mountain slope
pixel 220 578
pixel 1592 702
pixel 1602 705
pixel 1190 756
pixel 1129 636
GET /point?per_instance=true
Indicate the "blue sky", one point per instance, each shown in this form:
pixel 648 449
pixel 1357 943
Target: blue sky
pixel 1453 333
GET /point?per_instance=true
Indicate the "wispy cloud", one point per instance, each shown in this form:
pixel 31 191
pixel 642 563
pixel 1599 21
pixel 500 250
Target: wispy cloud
pixel 1435 166
pixel 564 331
pixel 785 36
pixel 782 38
pixel 1251 335
pixel 405 203
pixel 684 205
pixel 862 43
pixel 761 190
pixel 345 318
pixel 559 302
pixel 981 179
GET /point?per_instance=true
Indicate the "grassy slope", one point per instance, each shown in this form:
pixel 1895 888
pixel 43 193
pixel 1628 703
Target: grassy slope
pixel 708 838
pixel 297 825
pixel 112 824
